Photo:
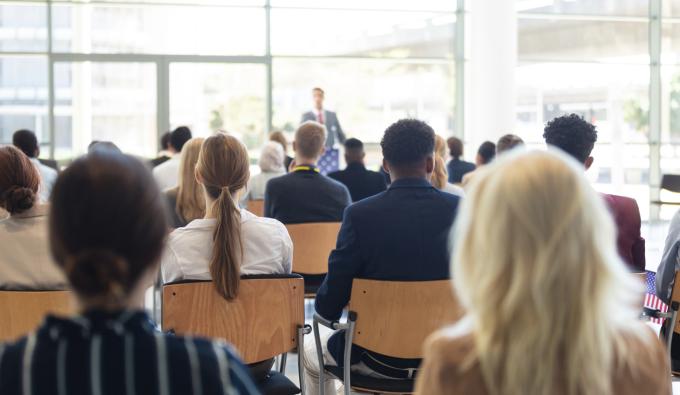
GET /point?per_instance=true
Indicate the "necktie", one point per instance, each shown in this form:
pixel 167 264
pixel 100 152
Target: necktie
pixel 320 117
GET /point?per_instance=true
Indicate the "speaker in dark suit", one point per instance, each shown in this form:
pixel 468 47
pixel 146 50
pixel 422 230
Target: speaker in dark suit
pixel 326 118
pixel 362 183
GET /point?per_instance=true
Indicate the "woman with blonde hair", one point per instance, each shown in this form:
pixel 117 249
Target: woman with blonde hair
pixel 440 177
pixel 551 309
pixel 186 199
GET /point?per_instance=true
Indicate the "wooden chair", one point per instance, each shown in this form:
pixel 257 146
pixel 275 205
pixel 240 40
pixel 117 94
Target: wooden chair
pixel 22 311
pixel 391 318
pixel 312 245
pixel 266 320
pixel 256 207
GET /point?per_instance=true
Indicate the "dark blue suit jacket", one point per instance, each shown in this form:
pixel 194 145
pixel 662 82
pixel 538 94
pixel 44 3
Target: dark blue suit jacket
pixel 400 235
pixel 361 183
pixel 457 169
pixel 305 196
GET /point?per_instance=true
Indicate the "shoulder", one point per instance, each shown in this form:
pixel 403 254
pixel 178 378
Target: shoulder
pixel 262 224
pixel 334 183
pixel 647 367
pixel 279 181
pixel 336 174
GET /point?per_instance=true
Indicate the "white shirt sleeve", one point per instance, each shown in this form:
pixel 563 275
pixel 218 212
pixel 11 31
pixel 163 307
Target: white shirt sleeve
pixel 286 250
pixel 170 268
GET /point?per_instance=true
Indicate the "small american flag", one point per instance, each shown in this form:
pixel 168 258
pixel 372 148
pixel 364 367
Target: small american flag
pixel 330 161
pixel 651 300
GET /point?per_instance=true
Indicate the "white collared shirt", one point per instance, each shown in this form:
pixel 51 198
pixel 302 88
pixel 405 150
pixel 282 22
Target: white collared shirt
pixel 25 259
pixel 48 176
pixel 267 249
pixel 167 173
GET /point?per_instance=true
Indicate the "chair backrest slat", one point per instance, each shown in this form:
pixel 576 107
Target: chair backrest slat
pixel 22 311
pixel 394 317
pixel 260 323
pixel 312 245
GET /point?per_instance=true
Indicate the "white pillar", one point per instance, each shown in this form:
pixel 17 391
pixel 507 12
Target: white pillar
pixel 493 57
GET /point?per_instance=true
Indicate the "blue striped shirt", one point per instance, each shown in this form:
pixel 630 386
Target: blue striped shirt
pixel 102 353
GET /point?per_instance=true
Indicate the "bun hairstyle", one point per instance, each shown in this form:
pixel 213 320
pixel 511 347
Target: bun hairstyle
pixel 107 226
pixel 223 170
pixel 19 181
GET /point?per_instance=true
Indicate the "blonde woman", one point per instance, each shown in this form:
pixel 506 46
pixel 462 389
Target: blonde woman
pixel 551 307
pixel 187 199
pixel 440 177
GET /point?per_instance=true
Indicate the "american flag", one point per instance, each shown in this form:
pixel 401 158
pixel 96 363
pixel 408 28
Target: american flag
pixel 330 161
pixel 651 300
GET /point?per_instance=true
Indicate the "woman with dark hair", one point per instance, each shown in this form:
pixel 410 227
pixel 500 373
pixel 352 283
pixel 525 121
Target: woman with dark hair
pixel 25 261
pixel 107 230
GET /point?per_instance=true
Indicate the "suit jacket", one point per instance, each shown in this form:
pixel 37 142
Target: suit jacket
pixel 400 235
pixel 457 169
pixel 305 196
pixel 159 160
pixel 361 183
pixel 627 218
pixel 332 126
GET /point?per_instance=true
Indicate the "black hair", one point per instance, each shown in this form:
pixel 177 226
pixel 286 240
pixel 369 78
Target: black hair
pixel 179 137
pixel 354 145
pixel 26 141
pixel 572 134
pixel 487 151
pixel 165 140
pixel 455 147
pixel 508 142
pixel 407 141
pixel 107 225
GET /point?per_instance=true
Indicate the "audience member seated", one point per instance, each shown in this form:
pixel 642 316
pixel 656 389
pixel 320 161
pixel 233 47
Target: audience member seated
pixel 508 142
pixel 575 136
pixel 186 201
pixel 228 242
pixel 110 259
pixel 551 308
pixel 485 154
pixel 439 176
pixel 457 167
pixel 103 146
pixel 166 153
pixel 167 173
pixel 280 138
pixel 271 164
pixel 361 183
pixel 400 234
pixel 305 195
pixel 25 261
pixel 27 142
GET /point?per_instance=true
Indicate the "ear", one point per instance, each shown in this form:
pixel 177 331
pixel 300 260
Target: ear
pixel 589 162
pixel 429 164
pixel 385 166
pixel 37 152
pixel 294 147
pixel 363 155
pixel 323 151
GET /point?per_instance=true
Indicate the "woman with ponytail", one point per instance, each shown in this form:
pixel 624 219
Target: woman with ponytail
pixel 107 230
pixel 25 261
pixel 440 177
pixel 228 242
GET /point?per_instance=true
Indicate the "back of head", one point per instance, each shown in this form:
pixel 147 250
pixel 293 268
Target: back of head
pixel 103 146
pixel 508 142
pixel 407 144
pixel 271 158
pixel 280 138
pixel 572 134
pixel 179 137
pixel 165 140
pixel 223 170
pixel 26 141
pixel 354 151
pixel 455 147
pixel 310 139
pixel 486 152
pixel 107 227
pixel 190 201
pixel 550 299
pixel 19 181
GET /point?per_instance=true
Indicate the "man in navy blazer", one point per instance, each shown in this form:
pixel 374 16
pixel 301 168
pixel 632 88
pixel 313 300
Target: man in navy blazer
pixel 400 234
pixel 362 183
pixel 305 195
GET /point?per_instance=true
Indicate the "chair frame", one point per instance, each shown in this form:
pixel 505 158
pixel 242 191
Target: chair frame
pixel 671 316
pixel 348 326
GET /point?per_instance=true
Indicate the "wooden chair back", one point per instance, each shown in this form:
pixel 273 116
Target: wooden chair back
pixel 22 311
pixel 256 207
pixel 394 317
pixel 312 245
pixel 260 323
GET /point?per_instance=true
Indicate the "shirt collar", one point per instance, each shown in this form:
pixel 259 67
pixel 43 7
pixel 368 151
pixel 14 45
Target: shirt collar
pixel 355 166
pixel 94 321
pixel 411 183
pixel 209 223
pixel 39 210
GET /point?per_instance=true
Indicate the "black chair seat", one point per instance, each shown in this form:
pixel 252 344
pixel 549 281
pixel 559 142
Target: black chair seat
pixel 370 384
pixel 277 384
pixel 312 282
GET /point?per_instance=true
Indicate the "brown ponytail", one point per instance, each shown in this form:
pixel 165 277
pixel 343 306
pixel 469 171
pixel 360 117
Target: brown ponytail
pixel 19 181
pixel 223 169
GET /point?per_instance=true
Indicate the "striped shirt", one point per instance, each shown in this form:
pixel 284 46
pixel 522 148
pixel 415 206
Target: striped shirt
pixel 102 353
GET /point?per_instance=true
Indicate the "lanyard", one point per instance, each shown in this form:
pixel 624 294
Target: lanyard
pixel 305 168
